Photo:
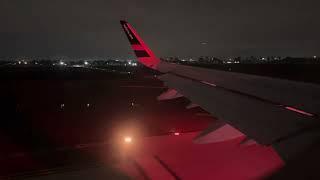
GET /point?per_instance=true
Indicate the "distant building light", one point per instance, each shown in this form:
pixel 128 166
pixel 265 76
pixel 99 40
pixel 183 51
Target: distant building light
pixel 263 58
pixel 77 65
pixel 25 62
pixel 62 106
pixel 61 63
pixel 315 57
pixel 86 63
pixel 19 62
pixel 88 105
pixel 176 133
pixel 229 62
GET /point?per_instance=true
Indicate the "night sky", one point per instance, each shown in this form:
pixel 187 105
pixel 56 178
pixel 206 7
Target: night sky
pixel 169 27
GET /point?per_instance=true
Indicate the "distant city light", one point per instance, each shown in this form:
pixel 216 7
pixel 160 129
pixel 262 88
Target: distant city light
pixel 62 106
pixel 88 105
pixel 176 133
pixel 315 57
pixel 77 65
pixel 19 62
pixel 25 62
pixel 61 63
pixel 132 63
pixel 86 63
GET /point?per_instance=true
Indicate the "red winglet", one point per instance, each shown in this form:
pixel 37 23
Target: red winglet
pixel 141 50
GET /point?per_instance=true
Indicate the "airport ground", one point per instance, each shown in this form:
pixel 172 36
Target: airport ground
pixel 62 119
pixel 52 116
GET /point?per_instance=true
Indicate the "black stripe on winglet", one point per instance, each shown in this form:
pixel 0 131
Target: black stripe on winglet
pixel 141 53
pixel 131 37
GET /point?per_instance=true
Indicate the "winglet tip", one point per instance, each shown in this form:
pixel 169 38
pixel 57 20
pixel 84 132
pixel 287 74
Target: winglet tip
pixel 123 22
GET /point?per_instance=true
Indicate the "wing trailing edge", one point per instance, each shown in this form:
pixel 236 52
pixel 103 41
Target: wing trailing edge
pixel 218 131
pixel 169 94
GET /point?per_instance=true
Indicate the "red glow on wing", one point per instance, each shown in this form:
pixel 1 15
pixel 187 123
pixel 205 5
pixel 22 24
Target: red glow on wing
pixel 137 47
pixel 225 160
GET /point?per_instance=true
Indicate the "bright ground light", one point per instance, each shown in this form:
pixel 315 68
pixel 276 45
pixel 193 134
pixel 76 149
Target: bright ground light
pixel 127 139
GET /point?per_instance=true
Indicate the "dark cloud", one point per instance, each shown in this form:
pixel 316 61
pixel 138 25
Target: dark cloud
pixel 91 27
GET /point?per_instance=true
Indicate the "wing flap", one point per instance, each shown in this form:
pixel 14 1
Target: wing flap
pixel 218 133
pixel 169 94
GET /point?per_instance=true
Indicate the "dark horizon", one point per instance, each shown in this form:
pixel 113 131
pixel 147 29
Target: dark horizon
pixel 229 28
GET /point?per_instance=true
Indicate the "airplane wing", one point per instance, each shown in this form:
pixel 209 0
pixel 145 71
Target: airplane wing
pixel 273 112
